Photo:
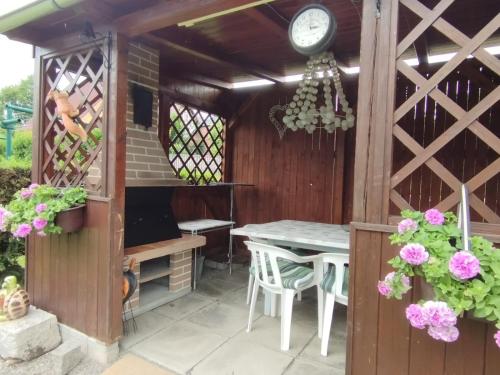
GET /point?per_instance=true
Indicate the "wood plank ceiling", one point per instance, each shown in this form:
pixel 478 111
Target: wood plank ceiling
pixel 246 45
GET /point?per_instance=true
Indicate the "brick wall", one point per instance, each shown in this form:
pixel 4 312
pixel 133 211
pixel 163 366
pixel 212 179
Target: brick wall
pixel 147 163
pixel 180 264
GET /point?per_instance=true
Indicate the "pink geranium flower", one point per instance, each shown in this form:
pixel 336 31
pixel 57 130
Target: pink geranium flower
pixel 414 254
pixel 40 208
pixel 384 288
pixel 415 315
pixel 22 231
pixel 464 265
pixel 39 223
pixel 406 225
pixel 434 216
pixel 4 216
pixel 497 338
pixel 26 193
pixel 33 186
pixel 439 314
pixel 446 334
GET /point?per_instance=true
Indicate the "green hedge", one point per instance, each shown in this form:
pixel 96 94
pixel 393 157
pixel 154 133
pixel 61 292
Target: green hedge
pixel 11 180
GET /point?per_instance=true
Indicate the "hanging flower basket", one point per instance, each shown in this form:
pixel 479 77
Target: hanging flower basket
pixel 70 220
pixel 43 210
pixel 453 282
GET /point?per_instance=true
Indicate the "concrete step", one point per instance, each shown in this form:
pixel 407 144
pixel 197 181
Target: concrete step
pixel 65 357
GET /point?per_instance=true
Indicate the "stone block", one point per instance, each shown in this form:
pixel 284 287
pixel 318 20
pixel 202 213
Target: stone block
pixel 29 337
pixel 66 356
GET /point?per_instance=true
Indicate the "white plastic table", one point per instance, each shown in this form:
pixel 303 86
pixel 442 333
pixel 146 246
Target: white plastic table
pixel 301 234
pixel 208 225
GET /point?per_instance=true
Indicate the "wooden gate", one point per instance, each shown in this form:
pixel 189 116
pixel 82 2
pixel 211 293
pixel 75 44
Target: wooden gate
pixel 428 114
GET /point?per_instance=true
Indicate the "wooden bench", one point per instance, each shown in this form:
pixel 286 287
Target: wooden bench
pixel 170 258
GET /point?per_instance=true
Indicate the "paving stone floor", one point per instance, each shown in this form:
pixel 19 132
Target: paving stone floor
pixel 205 333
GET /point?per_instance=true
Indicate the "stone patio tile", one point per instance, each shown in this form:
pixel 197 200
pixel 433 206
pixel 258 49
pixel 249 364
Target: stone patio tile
pixel 266 331
pixel 179 347
pixel 238 298
pixel 240 357
pixel 239 276
pixel 183 307
pixel 215 288
pixel 147 324
pixel 307 367
pixel 336 346
pixel 222 319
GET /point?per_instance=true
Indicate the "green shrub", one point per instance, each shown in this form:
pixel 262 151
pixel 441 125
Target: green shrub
pixel 15 164
pixel 21 145
pixel 11 180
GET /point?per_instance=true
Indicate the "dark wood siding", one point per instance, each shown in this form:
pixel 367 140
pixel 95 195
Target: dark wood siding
pixel 69 275
pixel 299 177
pixel 382 342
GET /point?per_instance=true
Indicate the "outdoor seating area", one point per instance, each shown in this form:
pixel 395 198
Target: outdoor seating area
pixel 256 180
pixel 205 332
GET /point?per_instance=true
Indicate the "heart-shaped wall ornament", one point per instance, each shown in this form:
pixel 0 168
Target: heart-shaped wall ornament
pixel 276 114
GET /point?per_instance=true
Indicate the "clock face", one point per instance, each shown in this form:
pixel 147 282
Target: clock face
pixel 310 27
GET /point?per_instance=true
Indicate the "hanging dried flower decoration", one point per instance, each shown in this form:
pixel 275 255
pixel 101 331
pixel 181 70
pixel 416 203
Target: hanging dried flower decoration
pixel 303 113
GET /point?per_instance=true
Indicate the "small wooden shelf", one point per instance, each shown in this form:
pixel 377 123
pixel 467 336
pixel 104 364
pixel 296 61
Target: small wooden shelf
pixel 153 271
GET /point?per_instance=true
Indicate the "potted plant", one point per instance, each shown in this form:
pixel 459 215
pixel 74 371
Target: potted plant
pixel 43 209
pixel 461 281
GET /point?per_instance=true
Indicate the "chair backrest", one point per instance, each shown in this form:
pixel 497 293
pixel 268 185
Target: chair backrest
pixel 341 263
pixel 265 260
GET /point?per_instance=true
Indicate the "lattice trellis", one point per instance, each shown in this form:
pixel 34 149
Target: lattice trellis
pixel 196 142
pixel 66 160
pixel 432 87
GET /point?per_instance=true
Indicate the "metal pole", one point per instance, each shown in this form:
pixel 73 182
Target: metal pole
pixel 464 216
pixel 10 133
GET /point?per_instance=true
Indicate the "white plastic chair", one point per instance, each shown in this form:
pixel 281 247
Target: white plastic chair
pixel 286 281
pixel 332 285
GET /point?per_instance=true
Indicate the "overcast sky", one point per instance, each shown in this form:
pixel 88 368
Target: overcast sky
pixel 16 60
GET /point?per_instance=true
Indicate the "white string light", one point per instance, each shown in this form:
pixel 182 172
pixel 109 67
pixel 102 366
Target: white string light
pixel 302 111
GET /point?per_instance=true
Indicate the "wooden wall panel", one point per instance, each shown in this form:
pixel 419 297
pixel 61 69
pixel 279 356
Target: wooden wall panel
pixel 69 274
pixel 300 177
pixel 381 340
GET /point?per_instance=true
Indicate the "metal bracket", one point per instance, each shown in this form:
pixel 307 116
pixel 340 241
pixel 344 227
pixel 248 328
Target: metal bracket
pixel 377 10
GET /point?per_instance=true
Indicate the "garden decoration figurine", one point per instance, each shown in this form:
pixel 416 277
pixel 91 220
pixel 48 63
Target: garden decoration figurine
pixel 35 209
pixel 67 112
pixel 14 301
pixel 462 280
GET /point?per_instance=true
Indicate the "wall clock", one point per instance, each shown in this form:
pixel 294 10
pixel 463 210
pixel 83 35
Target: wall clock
pixel 312 29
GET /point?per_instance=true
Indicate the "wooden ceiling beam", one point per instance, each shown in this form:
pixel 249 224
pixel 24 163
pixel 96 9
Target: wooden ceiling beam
pixel 277 28
pixel 206 81
pixel 219 59
pixel 172 12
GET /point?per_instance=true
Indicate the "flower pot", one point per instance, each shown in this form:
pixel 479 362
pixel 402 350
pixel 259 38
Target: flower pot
pixel 70 220
pixel 470 315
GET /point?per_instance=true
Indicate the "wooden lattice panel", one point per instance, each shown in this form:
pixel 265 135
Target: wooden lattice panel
pixel 468 97
pixel 196 141
pixel 67 161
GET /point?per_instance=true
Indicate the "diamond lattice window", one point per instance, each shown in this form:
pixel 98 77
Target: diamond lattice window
pixel 196 144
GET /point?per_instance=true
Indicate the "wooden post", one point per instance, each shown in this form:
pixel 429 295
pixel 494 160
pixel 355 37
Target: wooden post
pixel 372 171
pixel 115 174
pixel 375 110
